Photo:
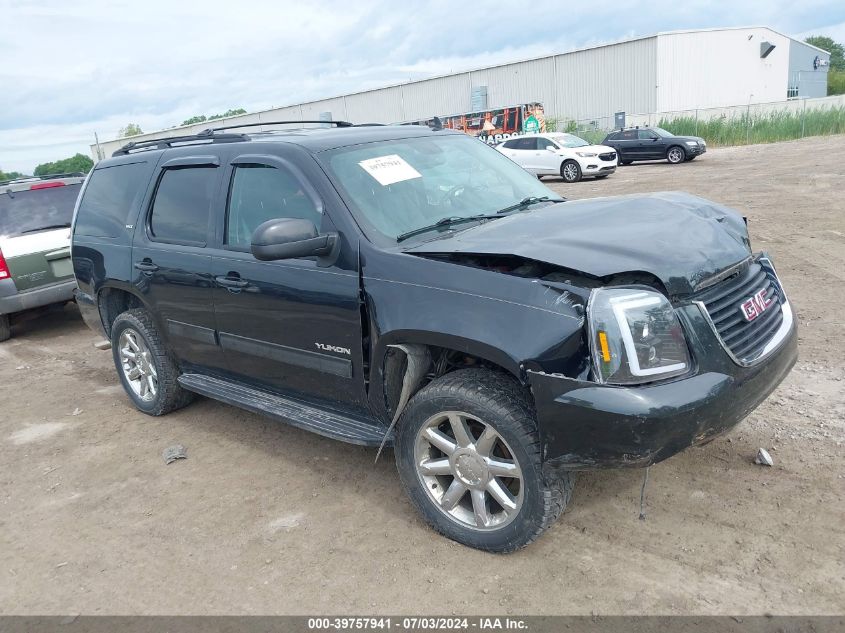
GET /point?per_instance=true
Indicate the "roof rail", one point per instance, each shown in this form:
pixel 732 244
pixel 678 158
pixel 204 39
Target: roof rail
pixel 206 136
pixel 231 127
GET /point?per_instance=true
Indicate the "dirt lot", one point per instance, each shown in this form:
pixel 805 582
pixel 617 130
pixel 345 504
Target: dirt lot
pixel 265 518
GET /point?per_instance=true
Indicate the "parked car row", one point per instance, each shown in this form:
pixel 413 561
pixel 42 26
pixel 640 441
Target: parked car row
pixel 572 158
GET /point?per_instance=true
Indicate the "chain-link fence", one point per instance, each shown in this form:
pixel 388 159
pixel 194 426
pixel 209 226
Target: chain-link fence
pixel 731 125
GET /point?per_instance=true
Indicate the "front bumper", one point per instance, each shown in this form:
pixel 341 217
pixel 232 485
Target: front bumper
pixel 90 312
pixel 585 425
pixel 12 301
pixel 594 167
pixel 696 150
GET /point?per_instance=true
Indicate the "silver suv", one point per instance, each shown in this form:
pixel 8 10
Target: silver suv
pixel 35 265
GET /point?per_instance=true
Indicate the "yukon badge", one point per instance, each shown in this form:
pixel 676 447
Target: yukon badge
pixel 755 306
pixel 334 348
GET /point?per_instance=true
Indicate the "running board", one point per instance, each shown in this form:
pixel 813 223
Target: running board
pixel 294 412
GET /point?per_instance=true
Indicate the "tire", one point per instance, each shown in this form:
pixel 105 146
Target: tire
pixel 570 171
pixel 676 154
pixel 539 176
pixel 625 162
pixel 5 328
pixel 485 404
pixel 133 332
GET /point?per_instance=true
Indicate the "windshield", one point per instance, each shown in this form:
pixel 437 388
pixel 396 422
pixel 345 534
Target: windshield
pixel 661 132
pixel 397 186
pixel 40 209
pixel 569 140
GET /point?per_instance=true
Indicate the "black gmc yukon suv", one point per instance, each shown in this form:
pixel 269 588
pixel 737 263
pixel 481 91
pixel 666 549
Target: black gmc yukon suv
pixel 413 287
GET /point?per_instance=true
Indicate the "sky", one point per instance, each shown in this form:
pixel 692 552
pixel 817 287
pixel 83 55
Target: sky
pixel 69 69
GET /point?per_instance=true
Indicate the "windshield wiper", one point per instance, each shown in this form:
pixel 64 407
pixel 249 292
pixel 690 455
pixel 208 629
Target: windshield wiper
pixel 444 223
pixel 47 228
pixel 527 202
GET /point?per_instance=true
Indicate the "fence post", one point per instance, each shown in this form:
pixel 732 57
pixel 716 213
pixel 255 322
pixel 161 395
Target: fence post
pixel 803 118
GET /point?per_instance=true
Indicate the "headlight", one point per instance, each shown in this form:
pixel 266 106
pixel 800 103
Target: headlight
pixel 635 336
pixel 586 154
pixel 693 143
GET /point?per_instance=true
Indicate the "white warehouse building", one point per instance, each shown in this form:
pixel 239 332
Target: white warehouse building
pixel 667 72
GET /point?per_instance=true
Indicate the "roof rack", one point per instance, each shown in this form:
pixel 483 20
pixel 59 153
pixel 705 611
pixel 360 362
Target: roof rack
pixel 232 127
pixel 206 136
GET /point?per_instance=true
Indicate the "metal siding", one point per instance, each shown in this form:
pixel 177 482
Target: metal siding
pixel 437 97
pixel 522 82
pixel 810 82
pixel 336 106
pixel 719 68
pixel 597 82
pixel 377 106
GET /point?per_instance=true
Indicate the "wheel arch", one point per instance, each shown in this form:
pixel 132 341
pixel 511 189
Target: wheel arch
pixel 114 299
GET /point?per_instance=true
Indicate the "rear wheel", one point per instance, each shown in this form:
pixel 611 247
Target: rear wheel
pixel 469 457
pixel 570 171
pixel 676 155
pixel 5 328
pixel 148 372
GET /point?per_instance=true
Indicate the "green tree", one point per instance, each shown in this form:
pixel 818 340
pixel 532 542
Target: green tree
pixel 200 118
pixel 194 119
pixel 76 163
pixel 131 129
pixel 10 175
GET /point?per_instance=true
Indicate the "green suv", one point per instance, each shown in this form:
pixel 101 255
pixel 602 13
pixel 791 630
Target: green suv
pixel 35 265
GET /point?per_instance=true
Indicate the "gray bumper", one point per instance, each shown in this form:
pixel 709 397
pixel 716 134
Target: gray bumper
pixel 12 301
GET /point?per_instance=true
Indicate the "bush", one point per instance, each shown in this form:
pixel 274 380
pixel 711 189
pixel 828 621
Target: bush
pixel 780 125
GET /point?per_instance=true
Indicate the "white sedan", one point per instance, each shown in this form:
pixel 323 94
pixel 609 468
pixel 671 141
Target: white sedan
pixel 559 154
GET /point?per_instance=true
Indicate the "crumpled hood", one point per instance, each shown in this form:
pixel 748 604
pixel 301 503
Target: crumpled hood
pixel 679 238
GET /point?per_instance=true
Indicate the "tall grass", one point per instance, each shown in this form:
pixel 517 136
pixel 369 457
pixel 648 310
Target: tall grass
pixel 769 127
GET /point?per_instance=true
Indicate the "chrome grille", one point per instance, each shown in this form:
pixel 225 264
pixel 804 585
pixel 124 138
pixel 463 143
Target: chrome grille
pixel 745 340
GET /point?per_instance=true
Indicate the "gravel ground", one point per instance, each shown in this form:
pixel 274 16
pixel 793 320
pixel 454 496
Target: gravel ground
pixel 265 518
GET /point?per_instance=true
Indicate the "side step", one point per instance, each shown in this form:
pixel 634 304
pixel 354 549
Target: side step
pixel 300 414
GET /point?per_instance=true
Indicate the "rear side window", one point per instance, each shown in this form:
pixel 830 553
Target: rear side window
pixel 260 193
pixel 627 135
pixel 182 205
pixel 37 210
pixel 526 143
pixel 111 194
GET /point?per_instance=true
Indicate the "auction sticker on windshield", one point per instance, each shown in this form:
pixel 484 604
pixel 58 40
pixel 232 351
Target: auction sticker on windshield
pixel 389 169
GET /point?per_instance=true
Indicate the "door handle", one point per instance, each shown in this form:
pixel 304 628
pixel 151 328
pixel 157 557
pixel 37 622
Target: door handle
pixel 231 282
pixel 145 266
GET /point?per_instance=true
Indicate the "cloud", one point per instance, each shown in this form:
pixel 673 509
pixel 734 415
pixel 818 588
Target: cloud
pixel 70 69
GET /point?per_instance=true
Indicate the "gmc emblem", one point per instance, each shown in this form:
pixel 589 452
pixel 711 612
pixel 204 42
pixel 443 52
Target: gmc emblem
pixel 755 306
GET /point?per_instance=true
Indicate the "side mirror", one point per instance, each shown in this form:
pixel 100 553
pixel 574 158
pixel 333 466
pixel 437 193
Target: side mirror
pixel 288 238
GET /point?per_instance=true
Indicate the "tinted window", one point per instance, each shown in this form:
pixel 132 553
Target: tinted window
pixel 627 135
pixel 31 211
pixel 526 143
pixel 647 134
pixel 182 204
pixel 112 193
pixel 511 144
pixel 260 193
pixel 544 143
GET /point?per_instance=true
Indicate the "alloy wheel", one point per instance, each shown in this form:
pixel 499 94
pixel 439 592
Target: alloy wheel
pixel 137 363
pixel 675 155
pixel 468 471
pixel 570 172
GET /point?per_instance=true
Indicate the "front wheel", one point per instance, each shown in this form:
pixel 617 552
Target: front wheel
pixel 570 171
pixel 469 457
pixel 676 155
